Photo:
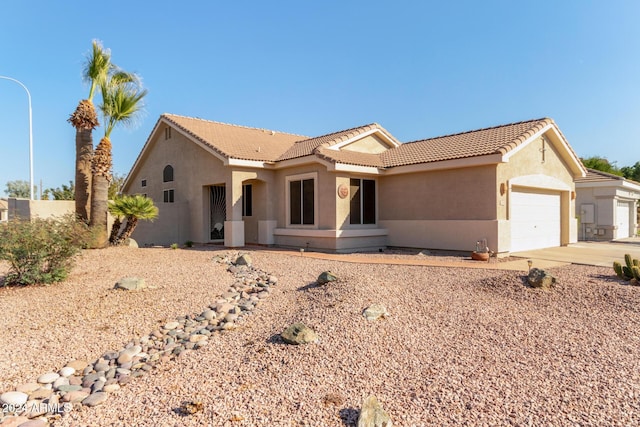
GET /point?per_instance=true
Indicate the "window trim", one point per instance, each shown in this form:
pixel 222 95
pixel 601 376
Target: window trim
pixel 301 177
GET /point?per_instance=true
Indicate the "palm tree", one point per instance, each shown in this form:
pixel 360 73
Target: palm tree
pixel 85 119
pixel 121 102
pixel 133 208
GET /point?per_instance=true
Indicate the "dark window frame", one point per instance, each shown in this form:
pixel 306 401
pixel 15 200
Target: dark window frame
pixel 168 195
pixel 167 174
pixel 247 200
pixel 302 201
pixel 362 205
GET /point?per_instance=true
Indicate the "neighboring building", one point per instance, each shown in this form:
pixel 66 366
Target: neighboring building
pixel 357 189
pixel 4 210
pixel 607 206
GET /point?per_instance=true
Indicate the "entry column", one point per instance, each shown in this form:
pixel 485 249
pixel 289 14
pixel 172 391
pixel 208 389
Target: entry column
pixel 234 228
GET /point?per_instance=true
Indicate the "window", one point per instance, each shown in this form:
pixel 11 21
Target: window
pixel 143 183
pixel 301 198
pixel 168 196
pixel 247 200
pixel 167 133
pixel 167 174
pixel 363 201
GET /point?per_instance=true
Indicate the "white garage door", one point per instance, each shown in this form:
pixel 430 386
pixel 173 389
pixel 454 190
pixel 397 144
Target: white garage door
pixel 622 219
pixel 535 220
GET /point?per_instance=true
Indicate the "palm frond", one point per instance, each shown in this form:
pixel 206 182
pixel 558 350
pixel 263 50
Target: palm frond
pixel 121 105
pixel 97 67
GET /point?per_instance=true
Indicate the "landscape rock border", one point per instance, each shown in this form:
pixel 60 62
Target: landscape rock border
pixel 82 383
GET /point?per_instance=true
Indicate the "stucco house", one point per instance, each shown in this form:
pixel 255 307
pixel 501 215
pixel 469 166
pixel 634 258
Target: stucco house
pixel 607 206
pixel 357 189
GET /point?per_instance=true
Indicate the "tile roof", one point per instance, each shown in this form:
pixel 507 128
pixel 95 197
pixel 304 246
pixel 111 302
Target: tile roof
pixel 248 143
pixel 594 175
pixel 350 157
pixel 493 140
pixel 235 141
pixel 307 146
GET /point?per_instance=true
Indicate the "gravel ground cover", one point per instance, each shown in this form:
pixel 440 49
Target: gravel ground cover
pixel 461 347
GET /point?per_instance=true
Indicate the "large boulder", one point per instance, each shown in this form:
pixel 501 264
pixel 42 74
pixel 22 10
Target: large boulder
pixel 326 277
pixel 130 284
pixel 299 333
pixel 539 278
pixel 372 414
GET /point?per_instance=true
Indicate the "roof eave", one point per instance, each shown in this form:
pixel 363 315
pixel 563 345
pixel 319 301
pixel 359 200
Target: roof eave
pixel 465 162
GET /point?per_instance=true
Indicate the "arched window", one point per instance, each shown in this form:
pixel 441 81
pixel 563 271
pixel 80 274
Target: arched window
pixel 167 174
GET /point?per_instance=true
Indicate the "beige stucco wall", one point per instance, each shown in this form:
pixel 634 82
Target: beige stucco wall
pixel 25 208
pixel 453 194
pixel 193 169
pixel 368 144
pixel 444 209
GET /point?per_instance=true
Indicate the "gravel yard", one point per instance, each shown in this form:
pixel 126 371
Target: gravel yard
pixel 461 347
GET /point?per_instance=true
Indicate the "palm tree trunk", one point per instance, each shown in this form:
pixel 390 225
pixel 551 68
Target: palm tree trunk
pixel 99 191
pixel 84 152
pixel 115 230
pixel 84 119
pixel 101 168
pixel 132 222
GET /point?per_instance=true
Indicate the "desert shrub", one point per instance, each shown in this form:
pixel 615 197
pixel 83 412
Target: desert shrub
pixel 41 250
pixel 174 246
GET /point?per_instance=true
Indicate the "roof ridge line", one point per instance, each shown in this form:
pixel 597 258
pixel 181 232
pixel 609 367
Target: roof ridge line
pixel 168 115
pixel 482 129
pixel 340 131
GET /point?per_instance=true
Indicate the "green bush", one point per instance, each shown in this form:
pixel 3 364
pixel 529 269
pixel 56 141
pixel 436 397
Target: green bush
pixel 41 250
pixel 174 246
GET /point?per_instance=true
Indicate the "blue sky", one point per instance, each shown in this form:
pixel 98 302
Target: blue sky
pixel 419 68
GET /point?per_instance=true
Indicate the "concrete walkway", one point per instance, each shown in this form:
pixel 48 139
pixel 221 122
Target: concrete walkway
pixel 588 253
pixel 584 253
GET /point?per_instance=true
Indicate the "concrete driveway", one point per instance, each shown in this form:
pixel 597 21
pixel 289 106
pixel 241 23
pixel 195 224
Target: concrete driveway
pixel 587 253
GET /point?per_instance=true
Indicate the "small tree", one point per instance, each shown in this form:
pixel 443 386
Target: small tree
pixel 19 189
pixel 67 192
pixel 601 164
pixel 131 208
pixel 631 172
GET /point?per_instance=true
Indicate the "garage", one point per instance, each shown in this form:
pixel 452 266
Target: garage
pixel 535 219
pixel 623 216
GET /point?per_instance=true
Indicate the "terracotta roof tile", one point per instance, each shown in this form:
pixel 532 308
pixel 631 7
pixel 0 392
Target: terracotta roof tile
pixel 307 146
pixel 594 175
pixel 494 140
pixel 235 141
pixel 350 157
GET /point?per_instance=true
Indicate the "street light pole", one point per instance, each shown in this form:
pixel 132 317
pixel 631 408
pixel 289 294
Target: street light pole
pixel 30 135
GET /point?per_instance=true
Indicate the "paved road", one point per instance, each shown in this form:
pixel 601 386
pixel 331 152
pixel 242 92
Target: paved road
pixel 588 253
